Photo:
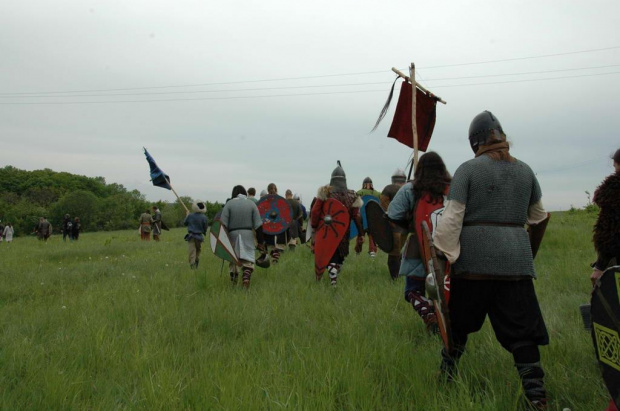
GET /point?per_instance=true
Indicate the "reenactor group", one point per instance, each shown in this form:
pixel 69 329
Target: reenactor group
pixel 474 222
pixel 460 242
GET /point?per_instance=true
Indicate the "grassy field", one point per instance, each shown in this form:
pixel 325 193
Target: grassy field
pixel 111 322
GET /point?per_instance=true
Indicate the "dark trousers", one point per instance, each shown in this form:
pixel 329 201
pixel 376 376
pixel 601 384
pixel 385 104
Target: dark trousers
pixel 512 307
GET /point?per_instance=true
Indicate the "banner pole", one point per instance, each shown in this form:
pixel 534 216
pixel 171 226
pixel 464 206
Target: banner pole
pixel 413 115
pixel 178 198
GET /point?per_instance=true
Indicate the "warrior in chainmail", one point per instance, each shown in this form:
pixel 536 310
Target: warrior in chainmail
pixel 482 234
pixel 240 215
pixel 337 189
pixel 387 195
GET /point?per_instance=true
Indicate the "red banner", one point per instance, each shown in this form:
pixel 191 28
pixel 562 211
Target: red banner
pixel 426 111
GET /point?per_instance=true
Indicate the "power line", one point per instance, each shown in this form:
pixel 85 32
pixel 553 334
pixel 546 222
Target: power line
pixel 296 95
pixel 525 81
pixel 201 84
pixel 200 91
pixel 192 99
pixel 522 73
pixel 309 86
pixel 310 77
pixel 523 58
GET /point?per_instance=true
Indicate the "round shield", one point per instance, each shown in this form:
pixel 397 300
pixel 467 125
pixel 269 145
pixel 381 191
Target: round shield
pixel 605 312
pixel 276 214
pixel 379 227
pixel 329 233
pixel 366 199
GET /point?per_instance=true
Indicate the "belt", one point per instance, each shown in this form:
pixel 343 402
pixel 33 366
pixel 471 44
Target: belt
pixel 492 224
pixel 239 228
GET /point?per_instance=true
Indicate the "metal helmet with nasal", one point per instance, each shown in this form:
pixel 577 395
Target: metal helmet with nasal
pixel 484 129
pixel 339 179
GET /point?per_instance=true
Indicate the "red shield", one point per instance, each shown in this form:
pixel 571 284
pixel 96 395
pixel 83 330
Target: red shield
pixel 427 210
pixel 276 214
pixel 329 233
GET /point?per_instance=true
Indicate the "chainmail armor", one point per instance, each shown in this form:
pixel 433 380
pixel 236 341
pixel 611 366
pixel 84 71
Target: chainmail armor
pixel 497 195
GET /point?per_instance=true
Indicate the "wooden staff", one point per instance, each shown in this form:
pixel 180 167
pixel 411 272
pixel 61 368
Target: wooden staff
pixel 414 126
pixel 178 198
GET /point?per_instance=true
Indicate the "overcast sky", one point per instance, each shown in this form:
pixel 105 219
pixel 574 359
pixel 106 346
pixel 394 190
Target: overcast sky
pixel 115 61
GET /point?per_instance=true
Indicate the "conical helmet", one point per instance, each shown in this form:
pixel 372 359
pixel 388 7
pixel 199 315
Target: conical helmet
pixel 339 179
pixel 399 176
pixel 485 128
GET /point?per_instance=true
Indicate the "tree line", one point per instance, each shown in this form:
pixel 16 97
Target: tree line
pixel 27 195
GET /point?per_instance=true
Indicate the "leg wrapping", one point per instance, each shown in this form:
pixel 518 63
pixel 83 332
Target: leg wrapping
pixel 532 376
pixel 275 255
pixel 247 274
pixel 333 270
pixel 422 305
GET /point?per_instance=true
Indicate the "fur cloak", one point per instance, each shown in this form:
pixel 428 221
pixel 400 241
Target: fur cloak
pixel 607 228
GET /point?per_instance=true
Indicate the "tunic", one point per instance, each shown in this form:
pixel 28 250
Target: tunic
pixel 44 229
pixel 368 192
pixel 241 217
pixel 145 222
pixel 197 225
pixel 296 216
pixel 401 209
pixel 8 233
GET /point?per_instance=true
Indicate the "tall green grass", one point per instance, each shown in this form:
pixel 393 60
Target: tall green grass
pixel 110 322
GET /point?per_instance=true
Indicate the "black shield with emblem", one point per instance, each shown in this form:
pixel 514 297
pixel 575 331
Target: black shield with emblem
pixel 605 311
pixel 379 227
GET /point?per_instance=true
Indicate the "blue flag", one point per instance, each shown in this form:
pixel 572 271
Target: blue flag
pixel 158 177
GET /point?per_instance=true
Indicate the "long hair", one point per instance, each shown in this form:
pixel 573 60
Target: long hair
pixel 238 190
pixel 368 186
pixel 431 176
pixel 502 154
